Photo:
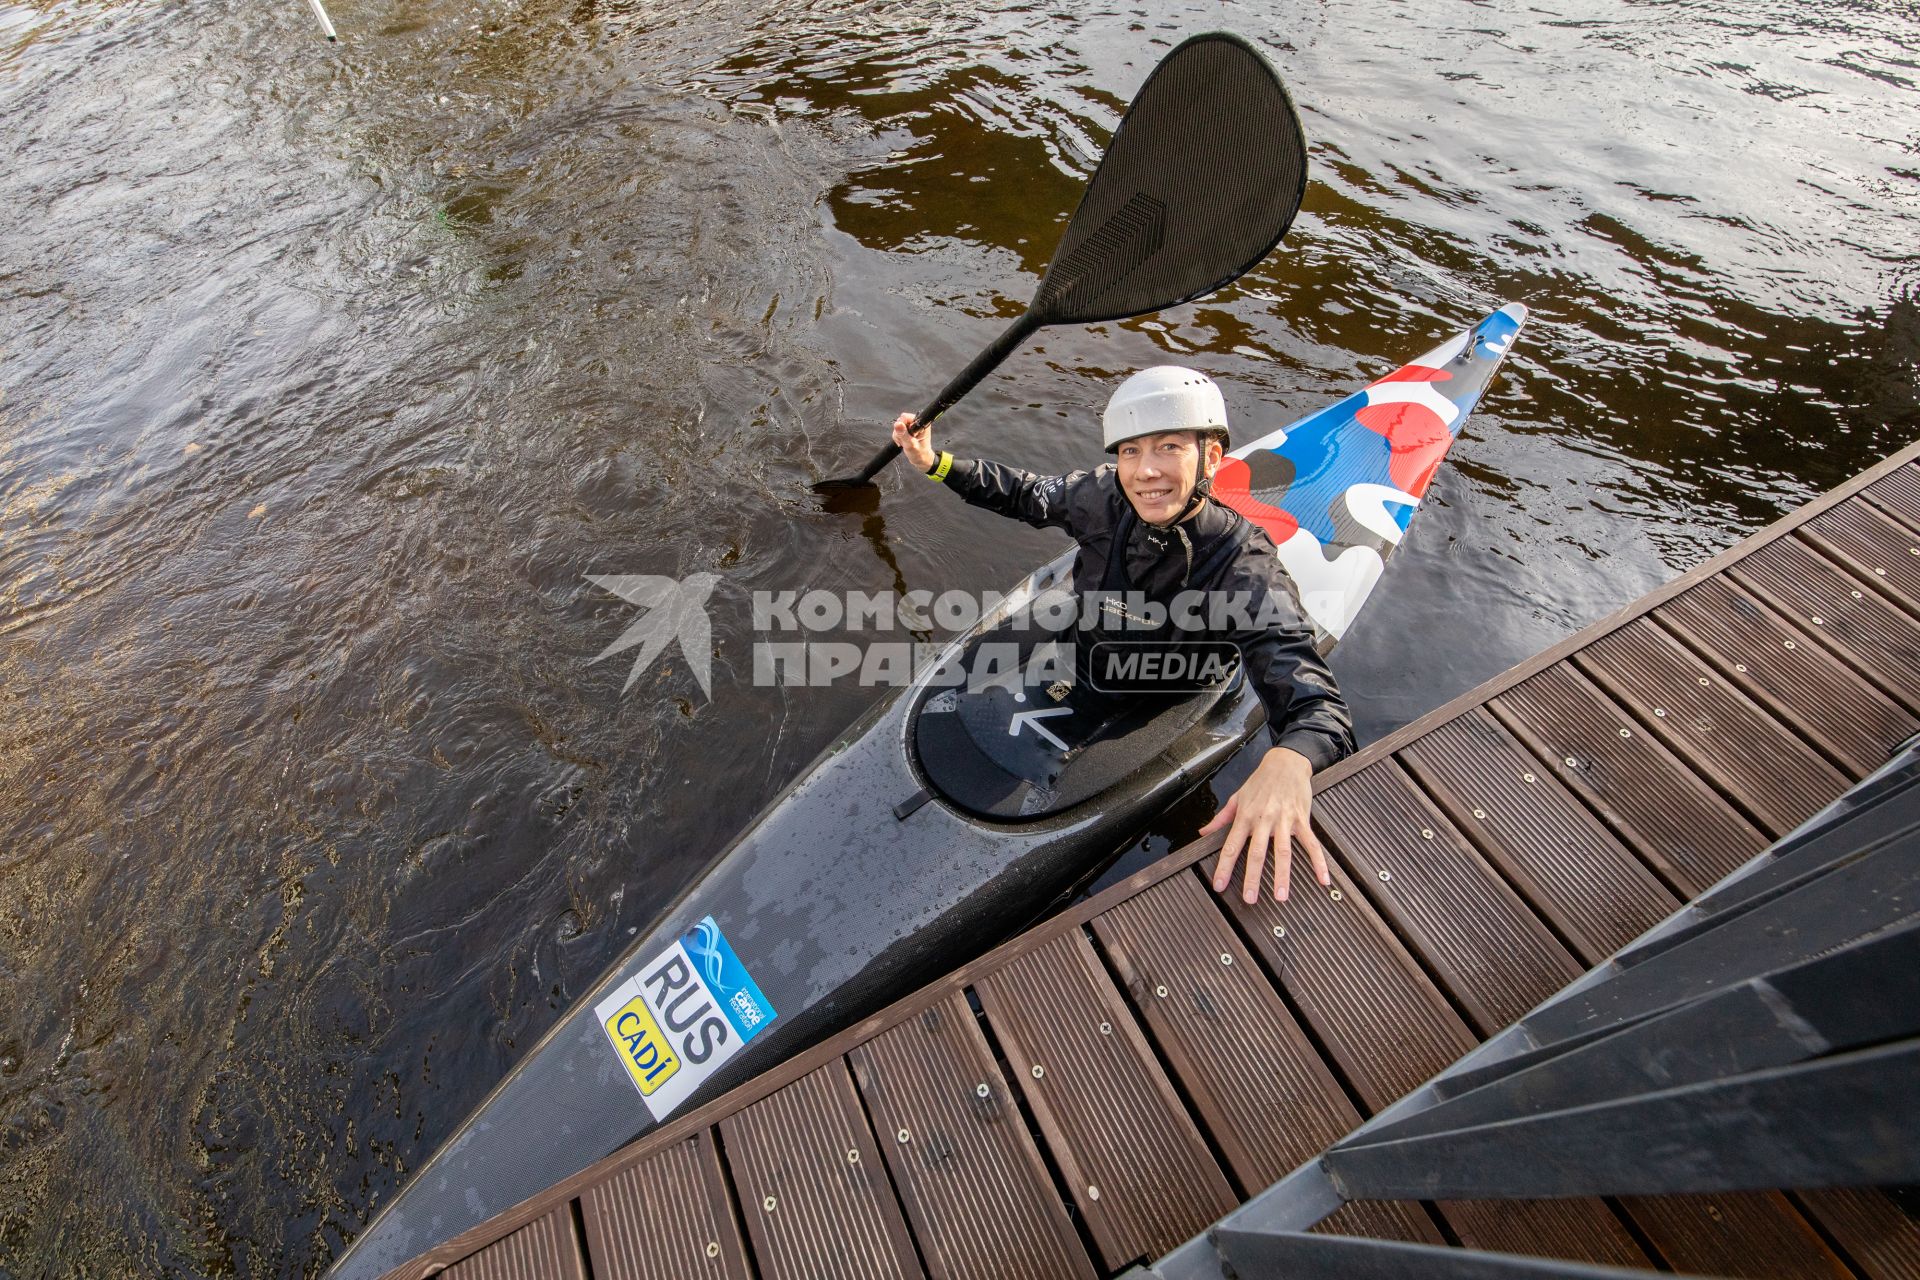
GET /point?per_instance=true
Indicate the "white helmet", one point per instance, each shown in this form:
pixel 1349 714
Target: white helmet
pixel 1163 398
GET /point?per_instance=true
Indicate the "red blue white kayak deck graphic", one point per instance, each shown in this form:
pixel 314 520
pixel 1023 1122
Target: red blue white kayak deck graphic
pixel 1337 489
pixel 682 1016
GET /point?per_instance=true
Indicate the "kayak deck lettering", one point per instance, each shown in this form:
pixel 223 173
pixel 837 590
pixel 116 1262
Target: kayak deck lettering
pixel 1102 1088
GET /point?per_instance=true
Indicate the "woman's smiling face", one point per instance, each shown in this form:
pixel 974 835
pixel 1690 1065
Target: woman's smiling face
pixel 1158 472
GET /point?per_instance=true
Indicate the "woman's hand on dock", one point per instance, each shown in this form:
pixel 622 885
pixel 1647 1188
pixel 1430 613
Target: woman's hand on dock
pixel 1267 815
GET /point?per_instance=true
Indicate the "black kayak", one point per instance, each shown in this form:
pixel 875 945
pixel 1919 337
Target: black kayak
pixel 940 823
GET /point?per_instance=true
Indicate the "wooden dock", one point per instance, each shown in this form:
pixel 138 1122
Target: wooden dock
pixel 1097 1091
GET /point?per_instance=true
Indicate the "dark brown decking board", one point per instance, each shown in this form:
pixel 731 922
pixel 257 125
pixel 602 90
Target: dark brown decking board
pixel 1245 1065
pixel 1490 951
pixel 1381 1018
pixel 1882 1242
pixel 1757 1235
pixel 670 1217
pixel 1673 818
pixel 812 1185
pixel 1567 864
pixel 544 1249
pixel 1898 494
pixel 976 1190
pixel 1136 1166
pixel 1806 686
pixel 1874 545
pixel 1574 1230
pixel 1871 635
pixel 1381 1220
pixel 1364 1001
pixel 1365 997
pixel 1761 764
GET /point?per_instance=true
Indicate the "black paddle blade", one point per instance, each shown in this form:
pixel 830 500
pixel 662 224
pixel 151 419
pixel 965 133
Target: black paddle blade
pixel 1202 178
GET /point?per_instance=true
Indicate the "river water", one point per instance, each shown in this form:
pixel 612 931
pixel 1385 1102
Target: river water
pixel 329 373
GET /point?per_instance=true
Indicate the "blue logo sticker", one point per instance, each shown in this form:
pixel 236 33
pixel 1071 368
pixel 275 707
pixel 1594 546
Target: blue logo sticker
pixel 744 1004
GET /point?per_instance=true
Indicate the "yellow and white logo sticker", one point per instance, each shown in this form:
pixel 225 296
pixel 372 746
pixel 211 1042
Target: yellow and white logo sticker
pixel 682 1015
pixel 643 1047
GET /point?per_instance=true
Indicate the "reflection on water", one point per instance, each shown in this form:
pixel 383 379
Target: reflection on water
pixel 327 376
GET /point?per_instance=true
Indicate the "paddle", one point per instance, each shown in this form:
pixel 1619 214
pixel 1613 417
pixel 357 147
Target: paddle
pixel 1202 178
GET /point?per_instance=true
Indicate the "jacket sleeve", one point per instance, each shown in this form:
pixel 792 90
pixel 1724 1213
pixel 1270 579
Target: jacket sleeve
pixel 1304 708
pixel 1045 502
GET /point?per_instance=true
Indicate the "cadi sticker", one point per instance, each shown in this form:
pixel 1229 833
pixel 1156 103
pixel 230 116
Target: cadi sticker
pixel 682 1016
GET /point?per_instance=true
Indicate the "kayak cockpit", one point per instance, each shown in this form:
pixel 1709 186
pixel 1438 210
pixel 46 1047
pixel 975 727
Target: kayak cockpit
pixel 1038 737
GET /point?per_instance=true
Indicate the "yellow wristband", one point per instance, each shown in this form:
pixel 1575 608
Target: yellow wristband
pixel 940 469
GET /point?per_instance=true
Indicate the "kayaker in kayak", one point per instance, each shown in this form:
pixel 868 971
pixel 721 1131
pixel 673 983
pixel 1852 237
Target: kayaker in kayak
pixel 1167 430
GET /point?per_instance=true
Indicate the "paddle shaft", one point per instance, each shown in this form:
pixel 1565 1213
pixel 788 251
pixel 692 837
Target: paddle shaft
pixel 968 378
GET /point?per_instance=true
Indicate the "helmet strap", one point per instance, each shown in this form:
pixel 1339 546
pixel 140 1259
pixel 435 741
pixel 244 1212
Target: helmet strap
pixel 1202 490
pixel 1202 486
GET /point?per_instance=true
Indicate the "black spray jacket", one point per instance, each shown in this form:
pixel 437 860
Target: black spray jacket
pixel 1216 551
